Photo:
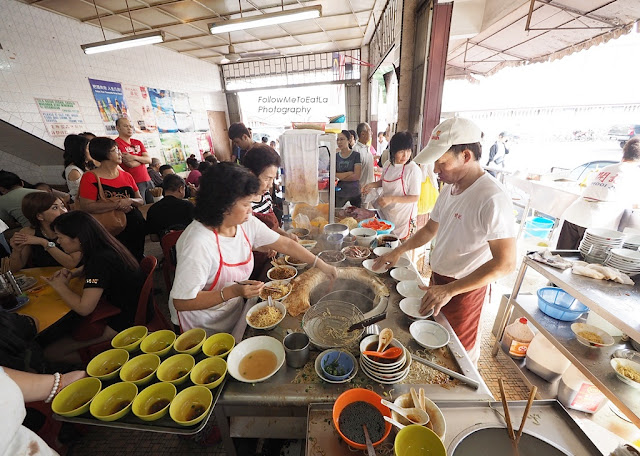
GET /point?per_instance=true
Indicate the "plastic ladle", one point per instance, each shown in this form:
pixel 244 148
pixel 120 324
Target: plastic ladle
pixel 391 353
pixel 413 414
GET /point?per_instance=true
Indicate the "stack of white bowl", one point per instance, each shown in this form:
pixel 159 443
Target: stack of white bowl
pixel 632 242
pixel 388 372
pixel 624 260
pixel 597 242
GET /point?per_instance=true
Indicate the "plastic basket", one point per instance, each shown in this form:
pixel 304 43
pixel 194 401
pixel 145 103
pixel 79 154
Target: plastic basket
pixel 538 227
pixel 558 304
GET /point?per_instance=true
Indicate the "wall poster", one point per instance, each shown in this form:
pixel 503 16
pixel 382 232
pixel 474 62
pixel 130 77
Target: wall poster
pixel 140 112
pixel 173 151
pixel 163 108
pixel 110 101
pixel 61 117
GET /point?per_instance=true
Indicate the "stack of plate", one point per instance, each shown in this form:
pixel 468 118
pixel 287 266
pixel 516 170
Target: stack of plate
pixel 597 242
pixel 389 371
pixel 632 242
pixel 624 260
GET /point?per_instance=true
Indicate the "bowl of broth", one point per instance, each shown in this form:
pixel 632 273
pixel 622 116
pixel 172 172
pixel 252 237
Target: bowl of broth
pixel 141 369
pixel 219 344
pixel 191 405
pixel 191 341
pixel 107 364
pixel 256 359
pixel 158 342
pixel 153 402
pixel 75 398
pixel 113 402
pixel 356 407
pixel 209 372
pixel 176 368
pixel 130 338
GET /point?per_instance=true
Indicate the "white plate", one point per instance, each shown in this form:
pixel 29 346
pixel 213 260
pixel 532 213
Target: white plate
pixel 319 367
pixel 607 340
pixel 615 362
pixel 25 282
pixel 429 334
pixel 627 255
pixel 250 345
pixel 388 374
pixel 411 308
pixel 410 289
pixel 384 382
pixel 263 304
pixel 603 233
pixel 401 274
pixel 368 265
pixel 403 261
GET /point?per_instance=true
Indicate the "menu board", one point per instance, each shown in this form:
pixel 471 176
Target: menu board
pixel 61 117
pixel 110 100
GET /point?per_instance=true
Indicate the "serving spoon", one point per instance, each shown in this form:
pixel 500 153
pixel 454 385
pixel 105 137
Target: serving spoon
pixel 413 414
pixel 391 353
pixel 384 339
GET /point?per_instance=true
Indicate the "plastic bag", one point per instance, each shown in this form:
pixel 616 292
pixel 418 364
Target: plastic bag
pixel 302 221
pixel 372 196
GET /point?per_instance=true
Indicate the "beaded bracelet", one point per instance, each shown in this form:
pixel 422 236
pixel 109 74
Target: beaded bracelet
pixel 54 389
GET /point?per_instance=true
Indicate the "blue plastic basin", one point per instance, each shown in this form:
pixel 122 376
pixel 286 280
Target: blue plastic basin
pixel 558 304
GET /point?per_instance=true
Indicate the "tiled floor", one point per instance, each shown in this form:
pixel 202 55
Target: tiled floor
pixel 100 441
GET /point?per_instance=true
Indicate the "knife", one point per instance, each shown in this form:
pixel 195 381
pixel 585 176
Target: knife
pixel 368 321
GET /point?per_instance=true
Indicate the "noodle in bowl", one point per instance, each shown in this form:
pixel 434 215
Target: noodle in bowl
pixel 262 316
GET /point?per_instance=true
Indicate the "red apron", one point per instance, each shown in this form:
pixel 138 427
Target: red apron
pixel 399 213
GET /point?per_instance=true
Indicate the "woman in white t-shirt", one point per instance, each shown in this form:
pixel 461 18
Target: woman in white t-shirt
pixel 401 184
pixel 214 253
pixel 75 157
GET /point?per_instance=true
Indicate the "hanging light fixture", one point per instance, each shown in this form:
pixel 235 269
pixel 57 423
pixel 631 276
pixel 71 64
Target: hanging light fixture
pixel 263 20
pixel 124 42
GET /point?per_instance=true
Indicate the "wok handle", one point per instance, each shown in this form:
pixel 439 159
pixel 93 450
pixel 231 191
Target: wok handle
pixel 369 321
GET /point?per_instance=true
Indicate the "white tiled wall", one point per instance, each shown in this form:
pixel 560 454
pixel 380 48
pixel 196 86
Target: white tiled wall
pixel 41 57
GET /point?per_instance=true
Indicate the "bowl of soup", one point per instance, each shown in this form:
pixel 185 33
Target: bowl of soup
pixel 191 405
pixel 159 342
pixel 176 368
pixel 219 344
pixel 113 402
pixel 130 338
pixel 153 402
pixel 75 399
pixel 107 364
pixel 209 372
pixel 141 369
pixel 190 342
pixel 256 359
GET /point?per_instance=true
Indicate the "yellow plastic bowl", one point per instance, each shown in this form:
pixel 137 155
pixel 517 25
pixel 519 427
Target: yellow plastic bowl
pixel 190 341
pixel 76 398
pixel 209 372
pixel 176 368
pixel 140 369
pixel 219 344
pixel 153 402
pixel 130 338
pixel 159 342
pixel 191 405
pixel 417 440
pixel 107 364
pixel 114 402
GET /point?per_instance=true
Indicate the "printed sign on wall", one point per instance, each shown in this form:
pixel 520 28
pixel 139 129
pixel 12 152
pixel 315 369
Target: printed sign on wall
pixel 110 101
pixel 173 151
pixel 140 111
pixel 61 117
pixel 163 108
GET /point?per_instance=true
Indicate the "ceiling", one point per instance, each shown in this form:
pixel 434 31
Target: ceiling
pixel 557 28
pixel 345 24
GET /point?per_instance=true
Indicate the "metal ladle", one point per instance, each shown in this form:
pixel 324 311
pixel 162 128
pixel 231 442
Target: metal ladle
pixel 413 414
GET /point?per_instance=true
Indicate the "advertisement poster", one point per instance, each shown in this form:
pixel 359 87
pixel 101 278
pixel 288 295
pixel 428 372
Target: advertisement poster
pixel 110 101
pixel 61 117
pixel 190 145
pixel 162 105
pixel 183 111
pixel 172 151
pixel 140 111
pixel 152 143
pixel 200 120
pixel 204 142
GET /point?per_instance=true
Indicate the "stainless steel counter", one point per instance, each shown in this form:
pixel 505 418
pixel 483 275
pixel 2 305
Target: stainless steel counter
pixel 289 392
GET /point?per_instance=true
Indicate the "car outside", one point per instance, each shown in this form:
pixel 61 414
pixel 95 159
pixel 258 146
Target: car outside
pixel 579 174
pixel 624 132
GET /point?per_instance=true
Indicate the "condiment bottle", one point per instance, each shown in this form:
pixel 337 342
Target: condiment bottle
pixel 516 339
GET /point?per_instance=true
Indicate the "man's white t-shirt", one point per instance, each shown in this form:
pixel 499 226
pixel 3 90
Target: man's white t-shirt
pixel 198 257
pixel 608 193
pixel 481 213
pixel 366 160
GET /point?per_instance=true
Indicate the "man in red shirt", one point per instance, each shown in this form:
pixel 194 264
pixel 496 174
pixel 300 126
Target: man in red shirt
pixel 134 157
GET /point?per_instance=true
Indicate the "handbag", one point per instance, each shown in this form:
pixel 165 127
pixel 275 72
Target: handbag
pixel 114 221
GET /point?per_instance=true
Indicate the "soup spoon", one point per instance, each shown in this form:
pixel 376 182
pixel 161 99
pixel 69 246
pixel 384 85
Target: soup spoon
pixel 413 414
pixel 384 339
pixel 393 352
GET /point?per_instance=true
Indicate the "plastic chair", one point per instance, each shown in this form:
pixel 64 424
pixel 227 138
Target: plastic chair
pixel 147 304
pixel 168 243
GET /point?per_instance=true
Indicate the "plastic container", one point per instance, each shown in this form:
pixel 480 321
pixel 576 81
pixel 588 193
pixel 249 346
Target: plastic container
pixel 516 339
pixel 538 227
pixel 577 392
pixel 559 304
pixel 545 360
pixel 287 224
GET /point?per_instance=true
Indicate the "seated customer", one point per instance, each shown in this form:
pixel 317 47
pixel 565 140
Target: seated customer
pixel 172 212
pixel 12 191
pixel 194 175
pixel 35 246
pixel 165 170
pixel 110 271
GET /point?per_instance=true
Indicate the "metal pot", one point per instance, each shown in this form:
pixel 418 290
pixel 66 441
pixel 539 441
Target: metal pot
pixel 336 228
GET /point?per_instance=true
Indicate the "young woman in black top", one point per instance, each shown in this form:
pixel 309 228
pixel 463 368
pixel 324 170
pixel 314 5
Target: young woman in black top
pixel 36 246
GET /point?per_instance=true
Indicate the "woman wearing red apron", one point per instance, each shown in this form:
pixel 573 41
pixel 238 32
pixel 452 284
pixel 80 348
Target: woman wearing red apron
pixel 401 184
pixel 264 161
pixel 215 252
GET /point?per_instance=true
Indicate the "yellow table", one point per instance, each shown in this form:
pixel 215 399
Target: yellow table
pixel 45 304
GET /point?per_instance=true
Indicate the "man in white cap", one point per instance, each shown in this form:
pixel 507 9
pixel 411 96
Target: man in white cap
pixel 473 226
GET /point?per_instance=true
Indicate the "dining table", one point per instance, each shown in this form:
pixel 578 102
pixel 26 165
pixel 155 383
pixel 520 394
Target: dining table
pixel 45 304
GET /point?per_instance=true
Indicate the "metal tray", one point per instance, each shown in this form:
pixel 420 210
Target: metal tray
pixel 165 424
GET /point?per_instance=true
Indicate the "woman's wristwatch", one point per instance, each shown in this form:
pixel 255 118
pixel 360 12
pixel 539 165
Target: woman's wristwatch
pixel 49 245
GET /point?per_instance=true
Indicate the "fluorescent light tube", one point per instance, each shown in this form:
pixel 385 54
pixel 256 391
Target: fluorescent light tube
pixel 263 20
pixel 123 43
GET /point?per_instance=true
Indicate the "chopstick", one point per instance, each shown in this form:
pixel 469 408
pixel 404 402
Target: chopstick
pixel 532 396
pixel 505 406
pixel 244 282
